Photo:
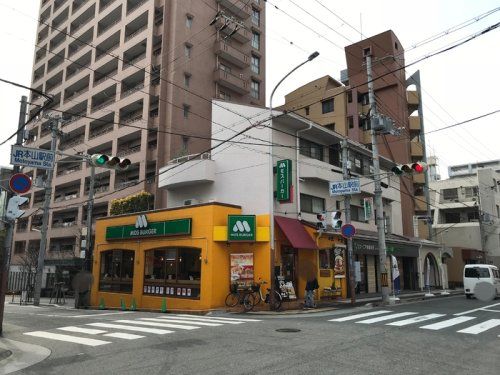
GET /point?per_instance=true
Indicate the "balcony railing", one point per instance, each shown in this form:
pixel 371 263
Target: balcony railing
pixel 132 117
pixel 76 93
pixel 134 7
pixel 105 77
pixel 125 184
pixel 131 62
pixel 137 32
pixel 66 197
pixel 71 143
pixel 132 90
pixel 78 70
pixel 107 27
pixel 103 104
pixel 59 224
pixel 107 51
pixel 99 132
pixel 106 6
pixel 128 151
pixel 69 171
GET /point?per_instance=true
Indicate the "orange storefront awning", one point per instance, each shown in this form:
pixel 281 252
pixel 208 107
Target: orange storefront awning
pixel 295 233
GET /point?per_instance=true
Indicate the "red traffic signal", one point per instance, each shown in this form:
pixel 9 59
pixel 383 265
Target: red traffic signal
pixel 413 168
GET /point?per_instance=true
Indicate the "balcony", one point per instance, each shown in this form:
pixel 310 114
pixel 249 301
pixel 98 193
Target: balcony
pixel 236 7
pixel 413 100
pixel 67 171
pixel 103 104
pixel 417 149
pixel 314 169
pixel 134 5
pixel 231 54
pixel 242 35
pixel 415 123
pixel 72 142
pixel 238 84
pixel 195 171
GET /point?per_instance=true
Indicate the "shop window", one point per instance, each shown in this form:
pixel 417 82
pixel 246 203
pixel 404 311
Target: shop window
pixel 324 259
pixel 117 271
pixel 173 272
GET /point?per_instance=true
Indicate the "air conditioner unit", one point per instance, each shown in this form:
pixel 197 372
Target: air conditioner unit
pixel 190 202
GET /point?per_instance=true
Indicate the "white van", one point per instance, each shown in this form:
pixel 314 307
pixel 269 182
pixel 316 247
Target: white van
pixel 476 273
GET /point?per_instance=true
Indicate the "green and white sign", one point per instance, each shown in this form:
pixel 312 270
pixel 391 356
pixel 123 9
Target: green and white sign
pixel 143 228
pixel 241 228
pixel 283 180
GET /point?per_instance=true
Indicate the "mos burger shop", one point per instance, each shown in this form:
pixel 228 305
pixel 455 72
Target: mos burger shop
pixel 184 256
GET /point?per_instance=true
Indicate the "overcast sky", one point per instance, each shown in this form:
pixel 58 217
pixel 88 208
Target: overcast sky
pixel 458 85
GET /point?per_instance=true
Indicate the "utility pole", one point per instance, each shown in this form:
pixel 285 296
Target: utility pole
pixel 54 127
pixel 379 207
pixel 347 207
pixel 90 207
pixel 9 224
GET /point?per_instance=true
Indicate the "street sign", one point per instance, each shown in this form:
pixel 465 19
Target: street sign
pixel 348 230
pixel 345 187
pixel 32 157
pixel 20 183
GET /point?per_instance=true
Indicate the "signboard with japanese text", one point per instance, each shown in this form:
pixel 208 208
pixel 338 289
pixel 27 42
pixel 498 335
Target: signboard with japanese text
pixel 32 157
pixel 368 208
pixel 345 187
pixel 143 228
pixel 283 180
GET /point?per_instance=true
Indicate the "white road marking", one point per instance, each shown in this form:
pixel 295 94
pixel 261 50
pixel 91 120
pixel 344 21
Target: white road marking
pixel 497 311
pixel 416 319
pixel 123 335
pixel 386 317
pixel 156 323
pixel 131 328
pixel 202 319
pixel 221 318
pixel 481 327
pixel 448 323
pixel 85 316
pixel 188 321
pixel 481 308
pixel 357 316
pixel 89 331
pixel 67 338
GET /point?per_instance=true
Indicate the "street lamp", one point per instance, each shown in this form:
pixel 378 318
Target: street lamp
pixel 271 175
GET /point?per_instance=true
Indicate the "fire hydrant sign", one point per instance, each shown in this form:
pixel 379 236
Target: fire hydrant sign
pixel 32 157
pixel 345 187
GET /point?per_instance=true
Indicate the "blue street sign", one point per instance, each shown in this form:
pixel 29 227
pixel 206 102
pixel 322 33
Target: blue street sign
pixel 348 230
pixel 20 183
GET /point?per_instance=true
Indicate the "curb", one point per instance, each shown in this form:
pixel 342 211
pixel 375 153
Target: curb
pixel 22 355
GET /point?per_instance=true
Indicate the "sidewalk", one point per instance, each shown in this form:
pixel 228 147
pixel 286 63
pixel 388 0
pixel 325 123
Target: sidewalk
pixel 69 303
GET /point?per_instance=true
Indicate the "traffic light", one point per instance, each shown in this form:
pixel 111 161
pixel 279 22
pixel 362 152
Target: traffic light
pixel 321 224
pixel 336 222
pixel 412 168
pixel 110 162
pixel 13 211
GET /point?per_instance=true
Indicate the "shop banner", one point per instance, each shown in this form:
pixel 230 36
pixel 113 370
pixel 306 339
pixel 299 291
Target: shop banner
pixel 339 262
pixel 242 269
pixel 284 180
pixel 368 207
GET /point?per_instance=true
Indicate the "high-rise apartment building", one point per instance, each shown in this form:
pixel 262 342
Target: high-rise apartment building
pixel 132 78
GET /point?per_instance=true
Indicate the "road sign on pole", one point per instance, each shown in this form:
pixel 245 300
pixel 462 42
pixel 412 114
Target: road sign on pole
pixel 32 157
pixel 345 187
pixel 20 183
pixel 348 230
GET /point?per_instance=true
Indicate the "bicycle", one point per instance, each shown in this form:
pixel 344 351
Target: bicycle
pixel 243 297
pixel 258 297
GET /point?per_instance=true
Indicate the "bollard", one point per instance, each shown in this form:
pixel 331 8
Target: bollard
pixel 102 306
pixel 133 305
pixel 122 305
pixel 164 305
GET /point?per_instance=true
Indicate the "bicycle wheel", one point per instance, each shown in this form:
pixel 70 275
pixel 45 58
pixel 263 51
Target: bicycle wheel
pixel 232 299
pixel 248 301
pixel 256 298
pixel 277 300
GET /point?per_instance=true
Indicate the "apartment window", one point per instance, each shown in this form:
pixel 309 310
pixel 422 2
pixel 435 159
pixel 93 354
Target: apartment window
pixel 307 111
pixel 255 64
pixel 473 216
pixel 350 122
pixel 187 79
pixel 364 99
pixel 256 17
pixel 255 89
pixel 449 194
pixel 185 109
pixel 357 213
pixel 187 50
pixel 452 217
pixel 256 40
pixel 334 155
pixel 470 191
pixel 185 141
pixel 117 271
pixel 327 106
pixel 311 149
pixel 364 123
pixel 224 95
pixel 189 21
pixel 349 96
pixel 311 204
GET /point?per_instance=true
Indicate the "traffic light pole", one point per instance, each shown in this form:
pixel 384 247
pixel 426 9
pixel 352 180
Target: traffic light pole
pixel 347 207
pixel 90 207
pixel 379 207
pixel 54 127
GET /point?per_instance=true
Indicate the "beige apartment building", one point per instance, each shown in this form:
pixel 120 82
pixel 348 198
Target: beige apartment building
pixel 132 78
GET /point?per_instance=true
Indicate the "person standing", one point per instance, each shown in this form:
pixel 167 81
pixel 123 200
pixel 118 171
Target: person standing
pixel 311 286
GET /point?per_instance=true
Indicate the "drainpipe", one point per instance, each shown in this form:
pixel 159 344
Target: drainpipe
pixel 297 190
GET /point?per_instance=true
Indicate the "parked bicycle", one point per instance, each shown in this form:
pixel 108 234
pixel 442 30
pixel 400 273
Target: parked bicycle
pixel 245 297
pixel 258 297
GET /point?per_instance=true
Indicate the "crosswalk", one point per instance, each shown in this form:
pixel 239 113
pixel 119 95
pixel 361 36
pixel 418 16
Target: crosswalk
pixel 408 318
pixel 103 332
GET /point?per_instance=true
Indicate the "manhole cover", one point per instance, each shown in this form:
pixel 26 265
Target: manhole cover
pixel 288 330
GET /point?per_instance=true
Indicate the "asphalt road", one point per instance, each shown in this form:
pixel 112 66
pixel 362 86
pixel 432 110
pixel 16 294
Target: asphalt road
pixel 442 336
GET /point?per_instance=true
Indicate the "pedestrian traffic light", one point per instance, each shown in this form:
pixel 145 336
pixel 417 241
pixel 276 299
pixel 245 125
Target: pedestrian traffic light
pixel 13 211
pixel 321 224
pixel 412 168
pixel 110 162
pixel 336 222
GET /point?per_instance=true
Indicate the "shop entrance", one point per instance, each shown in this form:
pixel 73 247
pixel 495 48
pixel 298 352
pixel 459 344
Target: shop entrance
pixel 410 274
pixel 289 258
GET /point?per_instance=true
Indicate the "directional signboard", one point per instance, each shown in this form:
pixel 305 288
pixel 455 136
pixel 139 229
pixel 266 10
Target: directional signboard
pixel 20 183
pixel 32 157
pixel 345 187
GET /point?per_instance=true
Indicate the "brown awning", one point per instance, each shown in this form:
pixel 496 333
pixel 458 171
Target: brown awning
pixel 295 233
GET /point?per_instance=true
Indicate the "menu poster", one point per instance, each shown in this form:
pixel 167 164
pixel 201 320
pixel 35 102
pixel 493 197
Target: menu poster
pixel 339 262
pixel 183 291
pixel 188 292
pixel 145 289
pixel 161 290
pixel 242 268
pixel 179 291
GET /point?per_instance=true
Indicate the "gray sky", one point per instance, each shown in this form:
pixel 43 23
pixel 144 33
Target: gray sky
pixel 458 85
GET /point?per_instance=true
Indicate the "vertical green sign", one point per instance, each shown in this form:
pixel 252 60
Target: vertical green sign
pixel 284 180
pixel 241 228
